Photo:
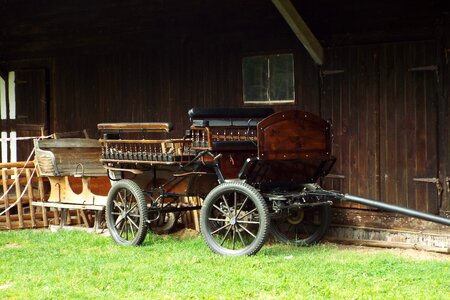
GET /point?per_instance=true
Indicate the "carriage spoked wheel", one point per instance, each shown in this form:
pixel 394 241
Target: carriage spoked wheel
pixel 234 219
pixel 301 226
pixel 126 213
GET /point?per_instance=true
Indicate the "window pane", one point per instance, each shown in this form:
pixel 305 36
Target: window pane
pixel 281 77
pixel 256 79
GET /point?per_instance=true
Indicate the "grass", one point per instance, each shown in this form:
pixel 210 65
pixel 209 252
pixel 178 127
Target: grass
pixel 76 265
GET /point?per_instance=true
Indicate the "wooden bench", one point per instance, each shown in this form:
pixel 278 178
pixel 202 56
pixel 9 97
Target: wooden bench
pixel 62 160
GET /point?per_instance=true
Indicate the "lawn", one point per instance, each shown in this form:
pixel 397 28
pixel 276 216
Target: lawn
pixel 38 264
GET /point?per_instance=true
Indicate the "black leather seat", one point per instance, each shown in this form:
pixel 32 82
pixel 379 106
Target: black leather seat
pixel 227 113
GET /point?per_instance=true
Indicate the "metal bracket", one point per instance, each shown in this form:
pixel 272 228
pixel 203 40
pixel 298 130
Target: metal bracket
pixel 434 180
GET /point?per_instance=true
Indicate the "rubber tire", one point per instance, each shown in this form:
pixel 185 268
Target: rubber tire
pixel 262 210
pixel 325 215
pixel 143 212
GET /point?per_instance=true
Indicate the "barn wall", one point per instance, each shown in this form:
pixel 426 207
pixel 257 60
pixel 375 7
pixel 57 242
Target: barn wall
pixel 390 122
pixel 161 84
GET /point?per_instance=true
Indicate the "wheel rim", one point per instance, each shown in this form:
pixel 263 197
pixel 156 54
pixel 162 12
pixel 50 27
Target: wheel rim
pixel 301 226
pixel 233 221
pixel 126 215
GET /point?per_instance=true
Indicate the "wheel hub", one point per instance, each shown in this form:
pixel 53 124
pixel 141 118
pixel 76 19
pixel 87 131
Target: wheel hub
pixel 297 217
pixel 233 221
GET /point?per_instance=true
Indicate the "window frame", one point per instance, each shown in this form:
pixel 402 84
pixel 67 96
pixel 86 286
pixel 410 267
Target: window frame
pixel 269 101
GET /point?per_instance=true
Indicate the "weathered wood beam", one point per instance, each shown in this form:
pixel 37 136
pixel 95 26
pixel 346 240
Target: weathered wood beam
pixel 301 30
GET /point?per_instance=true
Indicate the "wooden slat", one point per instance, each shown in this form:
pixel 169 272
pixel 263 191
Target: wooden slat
pixel 136 127
pixel 68 143
pixel 30 199
pixel 6 200
pixel 18 193
pixel 42 197
pixel 20 164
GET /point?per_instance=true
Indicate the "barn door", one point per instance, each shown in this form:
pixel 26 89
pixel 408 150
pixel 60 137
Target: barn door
pixel 409 132
pixel 349 97
pixel 23 95
pixel 383 103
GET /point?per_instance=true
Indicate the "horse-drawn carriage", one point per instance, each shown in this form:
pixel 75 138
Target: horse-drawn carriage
pixel 255 171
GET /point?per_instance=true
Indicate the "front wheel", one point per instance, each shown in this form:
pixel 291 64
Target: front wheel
pixel 234 219
pixel 126 213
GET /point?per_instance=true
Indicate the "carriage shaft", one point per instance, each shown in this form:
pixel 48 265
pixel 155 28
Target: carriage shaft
pixel 397 209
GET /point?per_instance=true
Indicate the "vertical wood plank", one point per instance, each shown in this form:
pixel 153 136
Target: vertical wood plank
pixel 18 192
pixel 42 198
pixel 6 198
pixel 30 197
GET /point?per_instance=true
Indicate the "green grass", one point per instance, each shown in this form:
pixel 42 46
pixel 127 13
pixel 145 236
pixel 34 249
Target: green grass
pixel 76 265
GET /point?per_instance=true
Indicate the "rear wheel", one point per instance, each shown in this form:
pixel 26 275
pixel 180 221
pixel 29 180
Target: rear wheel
pixel 126 213
pixel 234 219
pixel 302 226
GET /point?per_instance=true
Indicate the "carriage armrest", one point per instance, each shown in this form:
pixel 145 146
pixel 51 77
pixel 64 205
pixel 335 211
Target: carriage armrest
pixel 46 163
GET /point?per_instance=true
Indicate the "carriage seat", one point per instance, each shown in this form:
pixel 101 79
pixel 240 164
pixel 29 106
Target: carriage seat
pixel 68 157
pixel 230 113
pixel 226 129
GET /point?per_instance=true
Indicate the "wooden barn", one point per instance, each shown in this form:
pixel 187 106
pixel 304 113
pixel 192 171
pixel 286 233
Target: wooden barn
pixel 379 70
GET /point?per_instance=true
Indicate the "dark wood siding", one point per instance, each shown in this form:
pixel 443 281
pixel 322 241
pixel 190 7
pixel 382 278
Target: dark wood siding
pixel 159 85
pixel 383 103
pixel 350 99
pixel 409 124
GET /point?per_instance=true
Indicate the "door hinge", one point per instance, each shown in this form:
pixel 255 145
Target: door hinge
pixel 447 184
pixel 433 68
pixel 331 72
pixel 434 180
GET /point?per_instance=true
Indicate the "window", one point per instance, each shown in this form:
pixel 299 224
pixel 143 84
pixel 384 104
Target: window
pixel 268 79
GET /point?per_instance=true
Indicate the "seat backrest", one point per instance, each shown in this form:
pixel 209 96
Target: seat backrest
pixel 69 157
pixel 293 134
